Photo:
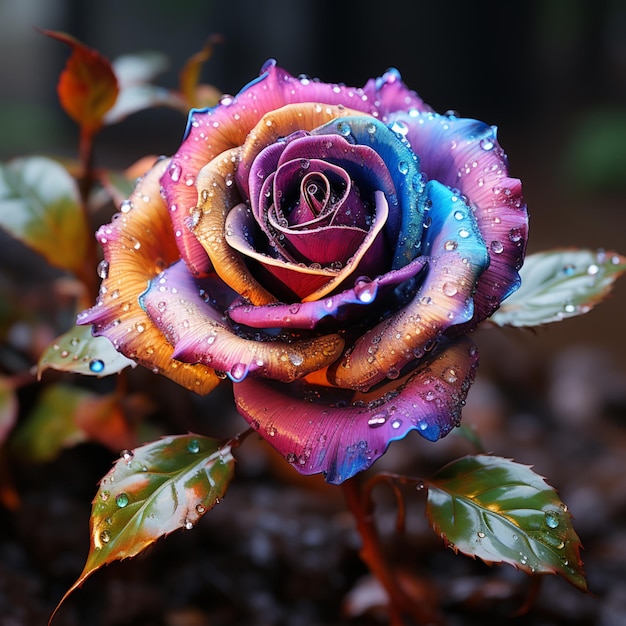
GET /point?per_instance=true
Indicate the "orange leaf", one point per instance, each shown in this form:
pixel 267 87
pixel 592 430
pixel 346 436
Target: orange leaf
pixel 190 74
pixel 87 86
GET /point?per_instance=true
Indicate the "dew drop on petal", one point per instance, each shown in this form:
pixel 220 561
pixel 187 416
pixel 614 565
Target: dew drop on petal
pixel 486 144
pixel 496 247
pixel 103 269
pixel 377 420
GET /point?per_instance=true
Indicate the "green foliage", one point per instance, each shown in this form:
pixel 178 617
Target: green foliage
pixel 152 491
pixel 51 425
pixel 40 206
pixel 501 511
pixel 559 284
pixel 78 351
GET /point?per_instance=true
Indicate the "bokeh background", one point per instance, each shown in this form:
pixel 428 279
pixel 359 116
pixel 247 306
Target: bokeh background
pixel 551 74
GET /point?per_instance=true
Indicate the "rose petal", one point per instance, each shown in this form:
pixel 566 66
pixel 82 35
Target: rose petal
pixel 207 222
pixel 391 94
pixel 306 282
pixel 464 154
pixel 341 306
pixel 402 164
pixel 212 131
pixel 138 244
pixel 182 307
pixel 457 257
pixel 340 441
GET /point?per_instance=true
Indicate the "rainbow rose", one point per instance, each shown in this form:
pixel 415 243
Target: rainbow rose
pixel 328 249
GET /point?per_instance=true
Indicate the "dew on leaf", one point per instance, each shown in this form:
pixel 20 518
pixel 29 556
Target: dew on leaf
pixel 193 446
pixel 122 500
pixel 96 365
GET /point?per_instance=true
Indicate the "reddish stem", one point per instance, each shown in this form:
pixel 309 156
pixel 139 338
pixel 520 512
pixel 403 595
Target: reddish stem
pixel 401 606
pixel 87 274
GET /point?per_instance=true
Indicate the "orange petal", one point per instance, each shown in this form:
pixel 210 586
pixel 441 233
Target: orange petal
pixel 138 244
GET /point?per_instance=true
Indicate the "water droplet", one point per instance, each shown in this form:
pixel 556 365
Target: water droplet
pixel 296 359
pixel 104 495
pixel 486 144
pixel 238 372
pixel 344 129
pixel 96 366
pixel 365 290
pixel 396 423
pixel 377 420
pixel 593 269
pixel 459 215
pixel 371 128
pixel 464 233
pixel 420 486
pixel 515 234
pixel 496 247
pixel 450 375
pixel 126 206
pixel 105 536
pixel 403 167
pixel 127 456
pixel 188 525
pixel 200 509
pixel 450 245
pixel 175 171
pixel 193 446
pixel 481 535
pixel 122 500
pixel 449 289
pixel 552 519
pixel 103 269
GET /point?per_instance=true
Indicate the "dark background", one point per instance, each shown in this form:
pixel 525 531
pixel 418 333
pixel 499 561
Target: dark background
pixel 552 75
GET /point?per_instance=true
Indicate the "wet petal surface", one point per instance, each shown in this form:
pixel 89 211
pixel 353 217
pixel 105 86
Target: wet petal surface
pixel 318 430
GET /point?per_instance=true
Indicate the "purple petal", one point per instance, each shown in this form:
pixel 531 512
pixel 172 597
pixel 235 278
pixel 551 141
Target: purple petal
pixel 464 154
pixel 310 282
pixel 316 433
pixel 212 131
pixel 186 311
pixel 341 306
pixel 456 258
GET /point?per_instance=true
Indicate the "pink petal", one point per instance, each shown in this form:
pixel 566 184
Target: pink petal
pixel 317 433
pixel 464 154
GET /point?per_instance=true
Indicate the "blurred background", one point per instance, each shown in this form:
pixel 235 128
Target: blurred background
pixel 551 74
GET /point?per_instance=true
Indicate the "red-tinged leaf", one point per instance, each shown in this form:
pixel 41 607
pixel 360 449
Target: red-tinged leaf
pixel 101 419
pixel 190 74
pixel 502 512
pixel 51 425
pixel 40 206
pixel 151 492
pixel 87 86
pixel 558 284
pixel 78 351
pixel 8 408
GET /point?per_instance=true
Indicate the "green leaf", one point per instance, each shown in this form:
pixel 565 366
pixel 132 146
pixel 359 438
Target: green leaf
pixel 152 491
pixel 40 206
pixel 558 284
pixel 501 511
pixel 51 425
pixel 79 352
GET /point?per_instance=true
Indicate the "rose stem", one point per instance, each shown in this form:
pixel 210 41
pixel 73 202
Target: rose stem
pixel 400 604
pixel 87 274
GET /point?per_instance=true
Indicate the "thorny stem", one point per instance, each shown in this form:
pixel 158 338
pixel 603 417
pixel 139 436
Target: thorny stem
pixel 401 605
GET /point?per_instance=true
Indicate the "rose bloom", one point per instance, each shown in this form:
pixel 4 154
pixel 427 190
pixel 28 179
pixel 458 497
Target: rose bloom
pixel 328 249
